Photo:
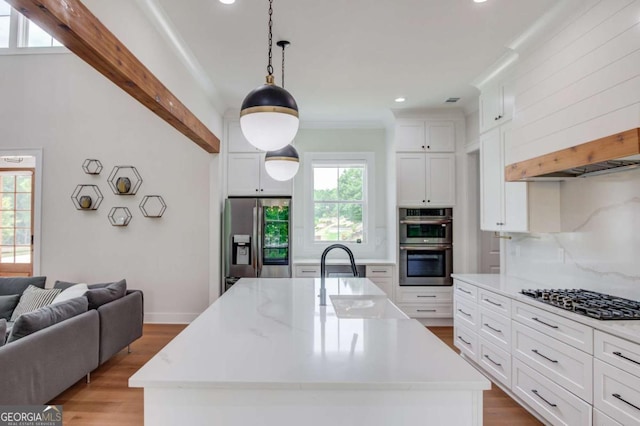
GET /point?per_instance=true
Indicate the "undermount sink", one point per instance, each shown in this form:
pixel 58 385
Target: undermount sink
pixel 363 306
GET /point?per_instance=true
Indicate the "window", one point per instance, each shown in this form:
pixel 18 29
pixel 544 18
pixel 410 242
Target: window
pixel 340 201
pixel 17 32
pixel 16 212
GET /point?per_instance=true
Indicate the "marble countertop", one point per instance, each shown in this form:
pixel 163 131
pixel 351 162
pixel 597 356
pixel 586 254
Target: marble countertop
pixel 511 287
pixel 271 334
pixel 345 261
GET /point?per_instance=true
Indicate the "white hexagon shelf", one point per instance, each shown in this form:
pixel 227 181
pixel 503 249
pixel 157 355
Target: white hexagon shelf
pixel 124 180
pixel 91 166
pixel 87 197
pixel 120 216
pixel 153 206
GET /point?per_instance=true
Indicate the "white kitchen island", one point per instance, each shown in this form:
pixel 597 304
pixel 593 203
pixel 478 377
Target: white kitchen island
pixel 265 353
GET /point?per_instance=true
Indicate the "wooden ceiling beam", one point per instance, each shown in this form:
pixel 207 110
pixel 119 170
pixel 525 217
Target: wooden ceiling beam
pixel 72 24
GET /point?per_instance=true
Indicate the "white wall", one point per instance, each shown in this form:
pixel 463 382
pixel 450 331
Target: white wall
pixel 60 104
pixel 600 243
pixel 342 140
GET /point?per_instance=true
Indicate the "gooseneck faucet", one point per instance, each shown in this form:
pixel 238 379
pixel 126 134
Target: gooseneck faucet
pixel 323 267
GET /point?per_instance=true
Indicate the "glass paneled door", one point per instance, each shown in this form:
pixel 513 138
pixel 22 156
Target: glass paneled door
pixel 276 233
pixel 16 222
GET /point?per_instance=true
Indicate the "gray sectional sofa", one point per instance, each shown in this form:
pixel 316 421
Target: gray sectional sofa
pixel 77 336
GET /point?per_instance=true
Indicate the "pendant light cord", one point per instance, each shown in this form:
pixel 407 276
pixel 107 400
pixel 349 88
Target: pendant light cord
pixel 283 46
pixel 270 67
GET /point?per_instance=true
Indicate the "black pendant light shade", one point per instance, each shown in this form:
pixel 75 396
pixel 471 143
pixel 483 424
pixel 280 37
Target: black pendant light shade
pixel 282 164
pixel 269 98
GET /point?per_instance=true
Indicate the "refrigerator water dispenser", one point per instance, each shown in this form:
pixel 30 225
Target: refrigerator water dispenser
pixel 241 249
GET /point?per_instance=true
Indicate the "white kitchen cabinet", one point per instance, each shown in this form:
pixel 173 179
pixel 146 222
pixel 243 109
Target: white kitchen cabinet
pixel 426 179
pixel 382 276
pixel 425 136
pixel 236 140
pixel 247 176
pixel 513 206
pixel 496 105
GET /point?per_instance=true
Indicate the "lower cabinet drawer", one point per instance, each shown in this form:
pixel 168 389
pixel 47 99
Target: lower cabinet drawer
pixel 443 310
pixel 466 312
pixel 617 352
pixel 616 393
pixel 307 271
pixel 424 295
pixel 557 405
pixel 495 361
pixel 495 328
pixel 601 419
pixel 564 364
pixel 466 340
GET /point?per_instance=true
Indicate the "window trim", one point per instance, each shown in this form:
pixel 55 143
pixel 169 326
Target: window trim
pixel 369 199
pixel 17 32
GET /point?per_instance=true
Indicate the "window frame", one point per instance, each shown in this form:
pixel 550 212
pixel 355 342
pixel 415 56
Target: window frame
pixel 367 159
pixel 18 30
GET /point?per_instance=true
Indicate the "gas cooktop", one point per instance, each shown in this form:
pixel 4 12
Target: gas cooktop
pixel 589 303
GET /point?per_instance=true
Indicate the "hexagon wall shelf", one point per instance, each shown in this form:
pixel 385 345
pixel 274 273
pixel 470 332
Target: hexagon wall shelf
pixel 120 216
pixel 87 197
pixel 153 206
pixel 91 166
pixel 124 180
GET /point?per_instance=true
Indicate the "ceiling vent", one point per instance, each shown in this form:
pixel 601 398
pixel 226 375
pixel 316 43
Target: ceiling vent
pixel 452 100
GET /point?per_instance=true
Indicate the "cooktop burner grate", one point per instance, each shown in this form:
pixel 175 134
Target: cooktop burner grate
pixel 589 303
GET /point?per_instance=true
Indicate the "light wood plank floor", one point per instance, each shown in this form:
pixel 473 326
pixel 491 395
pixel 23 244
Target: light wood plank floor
pixel 108 400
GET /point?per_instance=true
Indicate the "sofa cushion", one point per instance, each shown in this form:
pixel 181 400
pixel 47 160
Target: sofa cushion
pixel 8 305
pixel 34 298
pixel 3 331
pixel 74 291
pixel 47 316
pixel 101 295
pixel 17 285
pixel 63 285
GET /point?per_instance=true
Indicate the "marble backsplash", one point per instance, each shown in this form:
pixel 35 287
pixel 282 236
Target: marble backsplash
pixel 599 247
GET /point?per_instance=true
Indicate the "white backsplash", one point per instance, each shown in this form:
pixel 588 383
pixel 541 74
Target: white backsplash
pixel 599 247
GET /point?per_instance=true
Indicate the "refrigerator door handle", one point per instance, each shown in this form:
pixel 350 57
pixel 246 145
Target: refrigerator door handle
pixel 260 233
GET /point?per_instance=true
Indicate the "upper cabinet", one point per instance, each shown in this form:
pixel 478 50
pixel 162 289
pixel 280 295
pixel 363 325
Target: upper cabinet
pixel 496 105
pixel 425 136
pixel 513 206
pixel 246 174
pixel 426 179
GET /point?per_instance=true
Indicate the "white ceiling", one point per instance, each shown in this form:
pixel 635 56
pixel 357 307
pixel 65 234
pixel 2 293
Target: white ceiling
pixel 349 59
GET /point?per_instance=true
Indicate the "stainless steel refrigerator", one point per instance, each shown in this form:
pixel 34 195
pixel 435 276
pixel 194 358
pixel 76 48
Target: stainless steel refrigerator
pixel 256 238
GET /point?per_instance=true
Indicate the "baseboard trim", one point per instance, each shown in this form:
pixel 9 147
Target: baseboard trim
pixel 169 318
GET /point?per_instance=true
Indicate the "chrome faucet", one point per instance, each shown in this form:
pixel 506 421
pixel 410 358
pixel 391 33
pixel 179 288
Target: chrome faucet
pixel 323 267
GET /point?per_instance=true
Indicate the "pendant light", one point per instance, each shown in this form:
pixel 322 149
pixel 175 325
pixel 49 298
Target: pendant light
pixel 282 164
pixel 269 114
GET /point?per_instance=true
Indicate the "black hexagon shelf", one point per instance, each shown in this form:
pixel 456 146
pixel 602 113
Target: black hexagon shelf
pixel 153 206
pixel 120 216
pixel 87 197
pixel 125 180
pixel 91 166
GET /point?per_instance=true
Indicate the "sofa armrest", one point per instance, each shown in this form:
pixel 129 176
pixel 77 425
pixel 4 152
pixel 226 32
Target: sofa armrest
pixel 38 367
pixel 120 324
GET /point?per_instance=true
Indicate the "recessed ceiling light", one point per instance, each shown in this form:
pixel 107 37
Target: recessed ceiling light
pixel 400 100
pixel 231 1
pixel 475 1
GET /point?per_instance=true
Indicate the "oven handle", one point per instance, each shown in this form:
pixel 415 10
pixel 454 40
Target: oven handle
pixel 426 248
pixel 426 222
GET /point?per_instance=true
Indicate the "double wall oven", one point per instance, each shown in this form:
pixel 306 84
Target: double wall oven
pixel 426 246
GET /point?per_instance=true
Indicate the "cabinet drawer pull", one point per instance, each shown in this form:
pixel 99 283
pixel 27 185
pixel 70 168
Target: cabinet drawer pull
pixel 493 303
pixel 463 312
pixel 307 272
pixel 494 329
pixel 542 322
pixel 617 396
pixel 464 341
pixel 378 272
pixel 430 295
pixel 624 357
pixel 535 351
pixel 463 290
pixel 426 310
pixel 496 363
pixel 535 392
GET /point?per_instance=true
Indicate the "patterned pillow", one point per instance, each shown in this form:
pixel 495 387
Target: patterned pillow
pixel 34 298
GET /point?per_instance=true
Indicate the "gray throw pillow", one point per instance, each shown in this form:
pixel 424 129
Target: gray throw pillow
pixel 8 305
pixel 47 316
pixel 99 294
pixel 3 330
pixel 34 298
pixel 17 285
pixel 63 285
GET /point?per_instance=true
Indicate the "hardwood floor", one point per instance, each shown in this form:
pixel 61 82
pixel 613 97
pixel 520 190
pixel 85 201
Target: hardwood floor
pixel 108 400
